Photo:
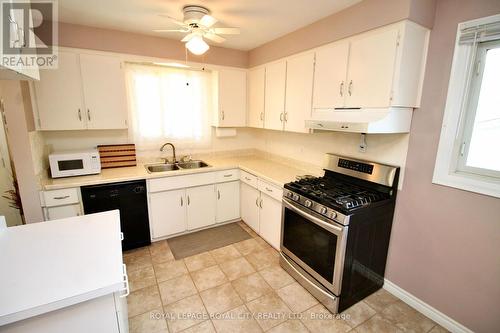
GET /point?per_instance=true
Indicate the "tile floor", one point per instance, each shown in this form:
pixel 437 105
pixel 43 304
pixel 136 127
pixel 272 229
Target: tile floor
pixel 219 290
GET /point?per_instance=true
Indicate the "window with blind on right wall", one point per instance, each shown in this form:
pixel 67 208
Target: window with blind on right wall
pixel 469 148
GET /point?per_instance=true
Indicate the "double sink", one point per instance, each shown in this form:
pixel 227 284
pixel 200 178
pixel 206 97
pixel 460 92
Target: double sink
pixel 161 167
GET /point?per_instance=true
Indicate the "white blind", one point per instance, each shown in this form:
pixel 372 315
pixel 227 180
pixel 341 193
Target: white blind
pixel 480 33
pixel 169 104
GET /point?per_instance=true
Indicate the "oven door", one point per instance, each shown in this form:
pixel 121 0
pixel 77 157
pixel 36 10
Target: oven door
pixel 315 243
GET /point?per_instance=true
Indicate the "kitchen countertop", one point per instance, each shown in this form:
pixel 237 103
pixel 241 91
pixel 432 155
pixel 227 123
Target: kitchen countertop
pixel 278 172
pixel 48 266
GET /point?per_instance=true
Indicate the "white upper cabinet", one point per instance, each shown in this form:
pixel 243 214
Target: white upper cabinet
pixel 371 69
pixel 299 87
pixel 330 75
pixel 377 69
pixel 84 92
pixel 230 98
pixel 59 97
pixel 256 87
pixel 275 95
pixel 104 92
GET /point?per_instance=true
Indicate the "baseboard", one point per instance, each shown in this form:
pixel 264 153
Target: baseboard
pixel 424 308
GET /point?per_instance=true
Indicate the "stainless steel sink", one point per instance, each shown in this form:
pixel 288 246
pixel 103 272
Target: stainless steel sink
pixel 192 164
pixel 162 167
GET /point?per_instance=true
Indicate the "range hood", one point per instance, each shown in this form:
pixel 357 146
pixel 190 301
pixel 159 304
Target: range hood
pixel 362 120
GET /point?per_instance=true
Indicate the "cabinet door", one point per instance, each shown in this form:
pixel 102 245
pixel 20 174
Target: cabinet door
pixel 249 198
pixel 330 71
pixel 256 87
pixel 371 69
pixel 167 212
pixel 299 85
pixel 61 212
pixel 200 206
pixel 275 95
pixel 232 98
pixel 104 91
pixel 228 201
pixel 59 95
pixel 270 220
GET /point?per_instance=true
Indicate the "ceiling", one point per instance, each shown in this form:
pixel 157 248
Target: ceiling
pixel 260 20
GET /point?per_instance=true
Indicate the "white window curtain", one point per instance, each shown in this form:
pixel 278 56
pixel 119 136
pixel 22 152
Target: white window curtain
pixel 169 104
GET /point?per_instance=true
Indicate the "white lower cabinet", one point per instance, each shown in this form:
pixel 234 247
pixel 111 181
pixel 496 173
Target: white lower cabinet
pixel 249 206
pixel 189 202
pixel 270 220
pixel 61 212
pixel 200 206
pixel 228 203
pixel 261 208
pixel 167 213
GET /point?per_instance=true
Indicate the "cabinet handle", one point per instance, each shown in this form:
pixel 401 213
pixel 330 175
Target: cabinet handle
pixel 247 178
pixel 80 114
pixel 268 189
pixel 349 90
pixel 281 116
pixel 286 116
pixel 262 116
pixel 61 198
pixel 341 89
pixel 257 202
pixel 182 202
pixel 229 175
pixel 218 195
pixel 189 200
pixel 222 114
pixel 88 114
pixel 260 204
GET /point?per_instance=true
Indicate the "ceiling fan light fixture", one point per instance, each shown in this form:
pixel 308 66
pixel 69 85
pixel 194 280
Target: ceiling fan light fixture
pixel 197 45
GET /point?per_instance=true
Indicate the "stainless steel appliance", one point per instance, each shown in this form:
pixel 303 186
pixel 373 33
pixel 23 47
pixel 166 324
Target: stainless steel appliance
pixel 336 229
pixel 74 163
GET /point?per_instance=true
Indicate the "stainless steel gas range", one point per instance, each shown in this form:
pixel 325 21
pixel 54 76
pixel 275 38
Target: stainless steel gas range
pixel 336 229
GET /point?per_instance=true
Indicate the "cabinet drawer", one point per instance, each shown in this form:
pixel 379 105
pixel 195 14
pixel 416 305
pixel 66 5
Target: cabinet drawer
pixel 227 175
pixel 270 190
pixel 61 197
pixel 174 182
pixel 248 178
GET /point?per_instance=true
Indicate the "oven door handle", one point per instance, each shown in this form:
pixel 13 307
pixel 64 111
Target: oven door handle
pixel 332 227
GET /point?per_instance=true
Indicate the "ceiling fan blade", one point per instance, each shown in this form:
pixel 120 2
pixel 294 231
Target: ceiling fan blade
pixel 227 31
pixel 214 37
pixel 173 19
pixel 170 30
pixel 208 21
pixel 187 38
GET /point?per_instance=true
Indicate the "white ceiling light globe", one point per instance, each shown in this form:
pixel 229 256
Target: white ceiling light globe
pixel 197 45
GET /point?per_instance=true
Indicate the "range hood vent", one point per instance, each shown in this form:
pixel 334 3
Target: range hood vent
pixel 364 120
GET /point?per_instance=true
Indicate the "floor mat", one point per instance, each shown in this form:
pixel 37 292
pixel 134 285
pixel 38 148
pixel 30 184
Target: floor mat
pixel 206 240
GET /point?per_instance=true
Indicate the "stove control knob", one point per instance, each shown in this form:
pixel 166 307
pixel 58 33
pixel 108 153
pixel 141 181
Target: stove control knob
pixel 308 203
pixel 289 194
pixel 295 197
pixel 334 215
pixel 323 210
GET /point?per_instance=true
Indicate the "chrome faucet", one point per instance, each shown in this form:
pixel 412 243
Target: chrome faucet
pixel 173 151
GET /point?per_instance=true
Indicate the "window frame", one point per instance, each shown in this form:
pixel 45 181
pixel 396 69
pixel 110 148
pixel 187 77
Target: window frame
pixel 450 169
pixel 470 111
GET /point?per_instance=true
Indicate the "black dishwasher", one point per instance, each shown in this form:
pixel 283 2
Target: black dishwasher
pixel 128 197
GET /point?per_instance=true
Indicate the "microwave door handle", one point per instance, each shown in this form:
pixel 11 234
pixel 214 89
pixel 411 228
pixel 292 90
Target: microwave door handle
pixel 331 227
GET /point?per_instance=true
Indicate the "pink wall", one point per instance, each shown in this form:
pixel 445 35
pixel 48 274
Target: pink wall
pixel 445 245
pixel 366 15
pixel 78 36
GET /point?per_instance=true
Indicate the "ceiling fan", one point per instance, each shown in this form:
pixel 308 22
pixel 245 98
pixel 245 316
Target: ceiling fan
pixel 198 24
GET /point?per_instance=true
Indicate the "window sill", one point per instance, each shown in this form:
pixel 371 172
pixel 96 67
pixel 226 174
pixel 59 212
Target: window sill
pixel 476 184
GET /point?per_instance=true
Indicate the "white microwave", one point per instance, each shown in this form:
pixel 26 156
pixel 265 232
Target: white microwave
pixel 74 163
